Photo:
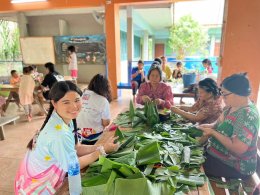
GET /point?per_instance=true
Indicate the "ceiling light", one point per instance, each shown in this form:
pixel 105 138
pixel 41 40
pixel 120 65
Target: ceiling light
pixel 26 1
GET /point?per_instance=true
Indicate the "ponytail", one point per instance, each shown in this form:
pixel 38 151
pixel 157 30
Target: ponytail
pixel 75 131
pixel 31 142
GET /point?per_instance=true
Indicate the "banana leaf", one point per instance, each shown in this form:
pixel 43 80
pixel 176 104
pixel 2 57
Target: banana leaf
pixel 141 186
pixel 129 159
pixel 148 154
pixel 191 180
pixel 128 143
pixel 121 152
pixel 131 111
pixel 119 134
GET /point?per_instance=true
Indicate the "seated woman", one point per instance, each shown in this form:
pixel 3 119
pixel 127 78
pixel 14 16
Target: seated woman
pixel 207 108
pixel 155 89
pixel 138 77
pixel 95 112
pixel 55 148
pixel 232 148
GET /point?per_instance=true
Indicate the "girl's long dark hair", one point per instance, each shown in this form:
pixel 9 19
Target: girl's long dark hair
pixel 101 86
pixel 58 91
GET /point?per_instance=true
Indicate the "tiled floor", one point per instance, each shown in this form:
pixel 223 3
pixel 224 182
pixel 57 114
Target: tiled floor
pixel 13 148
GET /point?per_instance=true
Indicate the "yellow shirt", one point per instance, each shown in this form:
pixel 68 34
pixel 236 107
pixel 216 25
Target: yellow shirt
pixel 168 72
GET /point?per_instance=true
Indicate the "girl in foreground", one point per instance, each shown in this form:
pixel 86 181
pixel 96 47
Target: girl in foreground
pixel 45 165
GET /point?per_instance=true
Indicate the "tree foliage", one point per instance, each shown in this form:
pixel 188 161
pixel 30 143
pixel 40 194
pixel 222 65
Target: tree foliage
pixel 9 41
pixel 187 37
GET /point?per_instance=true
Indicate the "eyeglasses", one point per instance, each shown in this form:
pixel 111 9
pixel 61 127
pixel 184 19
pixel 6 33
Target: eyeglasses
pixel 225 94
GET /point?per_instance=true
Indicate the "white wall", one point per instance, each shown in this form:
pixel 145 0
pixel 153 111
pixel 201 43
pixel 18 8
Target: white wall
pixel 78 24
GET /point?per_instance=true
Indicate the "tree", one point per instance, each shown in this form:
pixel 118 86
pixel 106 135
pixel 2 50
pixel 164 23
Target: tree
pixel 9 41
pixel 187 37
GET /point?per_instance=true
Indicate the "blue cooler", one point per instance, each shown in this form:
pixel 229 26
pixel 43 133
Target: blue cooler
pixel 188 79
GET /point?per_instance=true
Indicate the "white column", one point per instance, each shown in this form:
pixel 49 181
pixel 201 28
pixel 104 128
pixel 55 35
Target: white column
pixel 130 40
pixel 22 24
pixel 130 33
pixel 212 45
pixel 145 45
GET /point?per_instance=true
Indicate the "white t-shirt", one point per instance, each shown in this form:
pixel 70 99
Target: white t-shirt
pixel 73 65
pixel 94 108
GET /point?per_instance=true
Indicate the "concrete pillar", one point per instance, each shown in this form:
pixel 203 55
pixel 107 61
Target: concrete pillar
pixel 212 46
pixel 130 40
pixel 241 45
pixel 113 45
pixel 145 53
pixel 22 24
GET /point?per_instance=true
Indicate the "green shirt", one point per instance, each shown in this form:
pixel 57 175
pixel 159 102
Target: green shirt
pixel 243 123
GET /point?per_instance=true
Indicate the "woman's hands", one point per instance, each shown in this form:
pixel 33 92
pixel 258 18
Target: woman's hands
pixel 159 101
pixel 175 109
pixel 107 140
pixel 110 146
pixel 207 131
pixel 146 98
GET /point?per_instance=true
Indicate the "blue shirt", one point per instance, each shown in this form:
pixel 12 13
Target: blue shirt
pixel 138 78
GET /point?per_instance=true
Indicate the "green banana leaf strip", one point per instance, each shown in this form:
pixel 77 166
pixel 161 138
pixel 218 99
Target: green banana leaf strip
pixel 191 180
pixel 121 152
pixel 186 155
pixel 128 143
pixel 148 154
pixel 126 171
pixel 95 180
pixel 141 186
pixel 129 159
pixel 148 169
pixel 141 115
pixel 119 134
pixel 131 111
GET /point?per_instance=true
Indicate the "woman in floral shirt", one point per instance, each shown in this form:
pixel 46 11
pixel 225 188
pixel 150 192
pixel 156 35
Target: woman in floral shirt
pixel 232 149
pixel 208 107
pixel 155 90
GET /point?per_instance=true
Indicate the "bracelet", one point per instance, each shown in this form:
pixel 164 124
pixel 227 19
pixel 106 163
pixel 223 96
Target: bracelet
pixel 101 150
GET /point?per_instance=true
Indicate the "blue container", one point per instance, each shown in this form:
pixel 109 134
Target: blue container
pixel 188 79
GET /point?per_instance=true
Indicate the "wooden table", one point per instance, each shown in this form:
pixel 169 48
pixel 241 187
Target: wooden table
pixel 177 90
pixel 8 87
pixel 64 190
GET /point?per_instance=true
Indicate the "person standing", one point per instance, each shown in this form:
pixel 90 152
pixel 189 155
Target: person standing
pixel 73 63
pixel 26 90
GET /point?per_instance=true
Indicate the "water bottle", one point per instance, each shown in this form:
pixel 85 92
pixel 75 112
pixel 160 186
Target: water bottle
pixel 74 175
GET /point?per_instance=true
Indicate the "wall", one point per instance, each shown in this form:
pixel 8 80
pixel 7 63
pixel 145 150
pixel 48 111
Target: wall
pixel 241 47
pixel 78 24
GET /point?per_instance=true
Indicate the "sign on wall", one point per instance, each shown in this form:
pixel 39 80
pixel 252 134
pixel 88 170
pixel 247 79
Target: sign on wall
pixel 37 50
pixel 89 49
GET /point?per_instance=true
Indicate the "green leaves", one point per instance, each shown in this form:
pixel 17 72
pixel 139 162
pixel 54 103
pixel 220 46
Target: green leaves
pixel 148 154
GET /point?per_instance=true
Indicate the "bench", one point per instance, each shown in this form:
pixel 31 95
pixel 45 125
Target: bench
pixel 251 182
pixel 5 120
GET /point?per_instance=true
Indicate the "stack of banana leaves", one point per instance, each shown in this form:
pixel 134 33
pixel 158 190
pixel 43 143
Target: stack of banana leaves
pixel 158 159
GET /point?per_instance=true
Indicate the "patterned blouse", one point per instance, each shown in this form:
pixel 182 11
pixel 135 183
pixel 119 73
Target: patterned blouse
pixel 243 123
pixel 211 109
pixel 163 91
pixel 43 169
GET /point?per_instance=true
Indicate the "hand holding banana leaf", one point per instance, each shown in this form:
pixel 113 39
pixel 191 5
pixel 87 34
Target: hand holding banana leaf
pixel 146 98
pixel 206 131
pixel 110 145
